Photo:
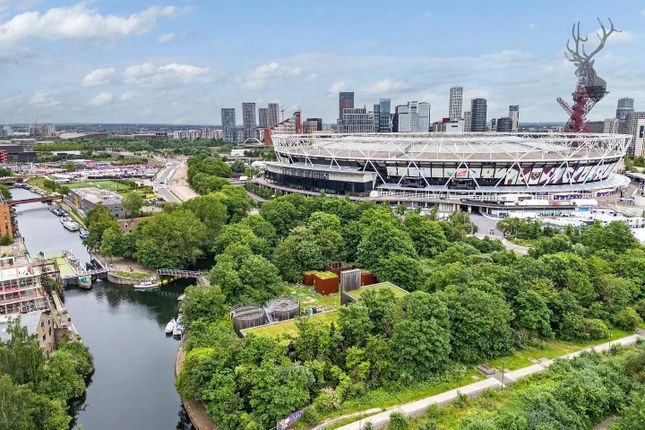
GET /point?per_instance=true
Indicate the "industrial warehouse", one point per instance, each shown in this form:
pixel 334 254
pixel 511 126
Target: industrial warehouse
pixel 450 168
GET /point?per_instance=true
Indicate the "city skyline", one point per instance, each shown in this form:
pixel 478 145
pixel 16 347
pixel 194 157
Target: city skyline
pixel 162 64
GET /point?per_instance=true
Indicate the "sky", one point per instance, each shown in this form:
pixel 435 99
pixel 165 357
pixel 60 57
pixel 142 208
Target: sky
pixel 181 61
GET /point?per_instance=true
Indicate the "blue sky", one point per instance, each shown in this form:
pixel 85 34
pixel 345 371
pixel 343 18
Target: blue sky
pixel 181 61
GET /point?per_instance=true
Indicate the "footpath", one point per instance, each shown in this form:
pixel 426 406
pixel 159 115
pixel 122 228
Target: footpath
pixel 418 407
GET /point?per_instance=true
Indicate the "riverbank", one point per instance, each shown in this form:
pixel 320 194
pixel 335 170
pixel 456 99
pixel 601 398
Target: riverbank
pixel 195 410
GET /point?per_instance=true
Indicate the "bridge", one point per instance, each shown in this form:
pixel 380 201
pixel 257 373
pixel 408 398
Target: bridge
pixel 46 199
pixel 12 179
pixel 180 273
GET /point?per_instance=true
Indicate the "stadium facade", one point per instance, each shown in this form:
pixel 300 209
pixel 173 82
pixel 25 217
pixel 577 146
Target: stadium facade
pixel 435 167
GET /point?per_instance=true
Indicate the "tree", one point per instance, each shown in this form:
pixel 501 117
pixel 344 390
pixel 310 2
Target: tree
pixel 627 319
pixel 261 228
pixel 379 240
pixel 402 270
pixel 112 244
pixel 420 348
pixel 277 391
pixel 172 240
pixel 98 220
pixel 281 214
pixel 298 253
pixel 23 409
pixel 616 237
pixel 237 201
pixel 480 324
pixel 422 306
pixel 132 202
pixel 203 302
pixel 6 240
pixel 59 379
pixel 238 166
pixel 240 234
pixel 427 235
pixel 244 276
pixel 5 192
pixel 204 183
pixel 210 210
pixel 533 313
pixel 355 324
pixel 383 310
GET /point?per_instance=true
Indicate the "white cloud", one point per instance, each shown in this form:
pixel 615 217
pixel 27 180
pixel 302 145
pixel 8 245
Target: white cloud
pixel 261 75
pixel 167 37
pixel 149 75
pixel 80 22
pixel 127 95
pixel 531 26
pixel 101 99
pixel 45 99
pixel 643 12
pixel 99 77
pixel 336 86
pixel 387 86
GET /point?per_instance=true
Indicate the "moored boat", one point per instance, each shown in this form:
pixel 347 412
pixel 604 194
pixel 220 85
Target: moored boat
pixel 71 225
pixel 170 327
pixel 146 285
pixel 178 330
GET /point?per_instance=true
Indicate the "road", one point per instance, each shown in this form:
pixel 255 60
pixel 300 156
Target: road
pixel 416 408
pixel 170 183
pixel 488 227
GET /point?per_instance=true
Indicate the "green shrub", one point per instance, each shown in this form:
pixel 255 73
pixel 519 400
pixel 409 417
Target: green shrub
pixel 627 319
pixel 398 421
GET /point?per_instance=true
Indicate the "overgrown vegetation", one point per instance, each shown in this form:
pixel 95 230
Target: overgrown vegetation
pixel 35 392
pixel 473 301
pixel 572 394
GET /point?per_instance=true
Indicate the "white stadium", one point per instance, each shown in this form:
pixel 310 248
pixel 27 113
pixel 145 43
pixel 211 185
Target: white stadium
pixel 451 169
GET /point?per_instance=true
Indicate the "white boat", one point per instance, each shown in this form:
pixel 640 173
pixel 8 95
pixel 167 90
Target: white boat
pixel 146 285
pixel 71 225
pixel 178 330
pixel 170 327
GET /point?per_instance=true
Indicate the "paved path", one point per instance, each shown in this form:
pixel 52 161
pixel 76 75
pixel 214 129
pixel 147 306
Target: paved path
pixel 487 227
pixel 473 390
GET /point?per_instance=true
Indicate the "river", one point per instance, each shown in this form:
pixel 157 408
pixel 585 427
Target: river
pixel 133 383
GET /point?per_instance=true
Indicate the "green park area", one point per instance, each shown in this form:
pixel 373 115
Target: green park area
pixel 103 185
pixel 398 292
pixel 132 275
pixel 288 328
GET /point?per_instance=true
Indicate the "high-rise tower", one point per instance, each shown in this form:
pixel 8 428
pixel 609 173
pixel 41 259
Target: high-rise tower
pixel 456 102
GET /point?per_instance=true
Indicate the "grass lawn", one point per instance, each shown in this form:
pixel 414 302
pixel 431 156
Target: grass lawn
pixel 288 328
pixel 132 275
pixel 398 292
pixel 308 298
pixel 37 182
pixel 103 185
pixel 553 349
pixel 64 267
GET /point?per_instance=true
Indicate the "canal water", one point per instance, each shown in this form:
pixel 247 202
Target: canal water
pixel 133 383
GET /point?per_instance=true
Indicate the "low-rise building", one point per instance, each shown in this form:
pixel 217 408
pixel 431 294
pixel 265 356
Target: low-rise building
pixel 21 289
pixel 39 324
pixel 6 226
pixel 85 199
